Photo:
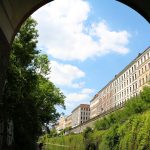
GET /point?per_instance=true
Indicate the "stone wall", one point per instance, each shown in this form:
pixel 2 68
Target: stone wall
pixel 90 122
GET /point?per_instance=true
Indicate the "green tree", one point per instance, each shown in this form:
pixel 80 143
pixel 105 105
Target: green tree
pixel 42 64
pixel 145 94
pixel 29 97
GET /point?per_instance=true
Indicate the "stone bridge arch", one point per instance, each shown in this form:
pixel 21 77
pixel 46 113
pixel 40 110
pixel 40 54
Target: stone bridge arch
pixel 14 12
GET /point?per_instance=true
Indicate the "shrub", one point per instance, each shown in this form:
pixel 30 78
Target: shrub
pixel 86 132
pixel 145 94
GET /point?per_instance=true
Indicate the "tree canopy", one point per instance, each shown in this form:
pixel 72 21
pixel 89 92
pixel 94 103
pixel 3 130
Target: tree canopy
pixel 29 96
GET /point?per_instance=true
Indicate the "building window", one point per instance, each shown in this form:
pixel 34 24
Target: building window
pixel 130 89
pixel 132 69
pixel 135 76
pixel 146 78
pixel 133 87
pixel 143 81
pixel 144 58
pixel 149 65
pixel 145 67
pixel 139 82
pixel 134 66
pixel 136 85
pixel 127 91
pixel 130 80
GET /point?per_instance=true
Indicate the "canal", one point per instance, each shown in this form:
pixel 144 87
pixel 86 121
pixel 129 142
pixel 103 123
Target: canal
pixel 60 147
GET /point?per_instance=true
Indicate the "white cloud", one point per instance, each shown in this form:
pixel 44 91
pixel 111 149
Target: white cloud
pixel 80 96
pixel 77 98
pixel 62 32
pixel 66 75
pixel 110 40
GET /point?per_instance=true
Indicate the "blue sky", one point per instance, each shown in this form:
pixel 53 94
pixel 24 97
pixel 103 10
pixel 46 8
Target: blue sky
pixel 88 42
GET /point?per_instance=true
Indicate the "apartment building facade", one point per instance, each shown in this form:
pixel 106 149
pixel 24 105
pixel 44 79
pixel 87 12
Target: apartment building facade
pixel 143 69
pixel 68 121
pixel 128 83
pixel 60 124
pixel 103 100
pixel 80 114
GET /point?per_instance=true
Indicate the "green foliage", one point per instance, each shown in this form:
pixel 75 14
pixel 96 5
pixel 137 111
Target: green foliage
pixel 86 132
pixel 102 124
pixel 53 133
pixel 145 94
pixel 29 97
pixel 42 64
pixel 73 141
pixel 124 129
pixel 135 105
pixel 135 133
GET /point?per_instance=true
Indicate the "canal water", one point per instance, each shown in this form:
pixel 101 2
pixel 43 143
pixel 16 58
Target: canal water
pixel 55 147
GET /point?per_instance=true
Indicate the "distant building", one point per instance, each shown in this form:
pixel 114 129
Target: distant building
pixel 128 83
pixel 68 121
pixel 60 124
pixel 80 114
pixel 102 101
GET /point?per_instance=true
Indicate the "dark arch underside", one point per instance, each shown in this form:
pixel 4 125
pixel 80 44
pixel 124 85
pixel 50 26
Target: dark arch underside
pixel 14 12
pixel 141 6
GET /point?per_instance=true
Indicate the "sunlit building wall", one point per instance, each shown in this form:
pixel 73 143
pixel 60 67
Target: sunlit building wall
pixel 68 121
pixel 80 114
pixel 126 84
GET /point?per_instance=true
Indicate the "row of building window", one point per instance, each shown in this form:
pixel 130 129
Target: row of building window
pixel 143 59
pixel 147 67
pixel 144 80
pixel 128 72
pixel 133 78
pixel 85 113
pixel 84 118
pixel 87 109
